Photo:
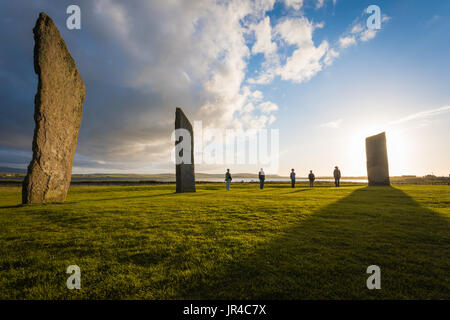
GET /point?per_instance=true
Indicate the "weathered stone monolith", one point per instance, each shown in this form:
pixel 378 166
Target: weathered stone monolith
pixel 185 173
pixel 58 109
pixel 377 160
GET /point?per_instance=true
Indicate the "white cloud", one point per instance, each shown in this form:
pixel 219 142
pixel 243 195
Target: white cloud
pixel 263 34
pixel 368 34
pixel 359 32
pixel 271 119
pixel 264 77
pixel 422 115
pixel 265 44
pixel 268 107
pixel 257 95
pixel 357 28
pixel 258 122
pixel 248 108
pixel 332 124
pixel 385 18
pixel 320 3
pixel 347 41
pixel 295 4
pixel 296 31
pixel 305 61
pixel 319 25
pixel 330 56
pixel 188 54
pixel 203 47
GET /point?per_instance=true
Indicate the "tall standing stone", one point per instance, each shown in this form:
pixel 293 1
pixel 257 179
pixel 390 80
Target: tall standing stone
pixel 377 160
pixel 185 173
pixel 58 109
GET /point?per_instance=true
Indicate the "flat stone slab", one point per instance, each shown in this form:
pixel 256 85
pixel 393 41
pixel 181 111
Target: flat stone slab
pixel 377 160
pixel 58 110
pixel 185 172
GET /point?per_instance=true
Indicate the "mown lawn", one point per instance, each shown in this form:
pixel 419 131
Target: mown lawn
pixel 147 242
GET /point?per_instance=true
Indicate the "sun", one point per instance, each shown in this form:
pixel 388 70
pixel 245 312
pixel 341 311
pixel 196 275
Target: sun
pixel 398 148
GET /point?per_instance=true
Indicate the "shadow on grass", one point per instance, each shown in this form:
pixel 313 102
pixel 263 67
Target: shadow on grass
pixel 326 255
pixel 297 185
pixel 120 198
pixel 145 259
pixel 12 207
pixel 300 190
pixel 199 193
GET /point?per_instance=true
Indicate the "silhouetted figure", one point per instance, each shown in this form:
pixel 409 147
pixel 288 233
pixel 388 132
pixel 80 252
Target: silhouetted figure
pixel 337 176
pixel 311 178
pixel 262 177
pixel 292 178
pixel 228 178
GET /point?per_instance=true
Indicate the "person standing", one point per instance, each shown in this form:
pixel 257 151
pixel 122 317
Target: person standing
pixel 292 178
pixel 228 178
pixel 337 176
pixel 311 178
pixel 262 177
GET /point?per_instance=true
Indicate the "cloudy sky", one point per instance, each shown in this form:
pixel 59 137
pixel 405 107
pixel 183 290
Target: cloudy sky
pixel 309 68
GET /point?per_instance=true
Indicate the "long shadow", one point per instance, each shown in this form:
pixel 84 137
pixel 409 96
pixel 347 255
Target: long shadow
pixel 120 198
pixel 300 190
pixel 326 255
pixel 12 207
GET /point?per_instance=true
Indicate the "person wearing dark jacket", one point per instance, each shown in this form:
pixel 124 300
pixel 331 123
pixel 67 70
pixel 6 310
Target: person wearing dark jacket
pixel 228 178
pixel 261 177
pixel 292 176
pixel 311 178
pixel 337 176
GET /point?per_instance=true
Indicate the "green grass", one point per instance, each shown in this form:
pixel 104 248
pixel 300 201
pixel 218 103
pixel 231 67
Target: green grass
pixel 147 242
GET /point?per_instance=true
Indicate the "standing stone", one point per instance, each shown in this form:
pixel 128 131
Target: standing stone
pixel 185 171
pixel 377 160
pixel 58 109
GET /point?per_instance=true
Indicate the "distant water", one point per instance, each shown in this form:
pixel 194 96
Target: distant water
pixel 282 180
pixel 199 179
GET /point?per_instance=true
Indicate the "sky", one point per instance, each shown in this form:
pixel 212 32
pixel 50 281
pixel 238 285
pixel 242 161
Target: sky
pixel 311 71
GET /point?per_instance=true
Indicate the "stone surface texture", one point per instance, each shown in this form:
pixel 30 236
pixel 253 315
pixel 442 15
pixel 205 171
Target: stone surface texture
pixel 58 110
pixel 377 160
pixel 185 173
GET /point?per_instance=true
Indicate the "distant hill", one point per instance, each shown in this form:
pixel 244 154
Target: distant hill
pixel 16 173
pixel 12 170
pixel 171 175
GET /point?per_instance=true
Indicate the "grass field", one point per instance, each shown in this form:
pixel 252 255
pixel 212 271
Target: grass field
pixel 147 242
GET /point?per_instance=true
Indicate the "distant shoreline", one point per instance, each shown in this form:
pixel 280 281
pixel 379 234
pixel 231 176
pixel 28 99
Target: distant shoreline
pixel 15 178
pixel 17 181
